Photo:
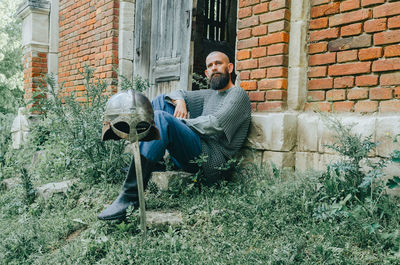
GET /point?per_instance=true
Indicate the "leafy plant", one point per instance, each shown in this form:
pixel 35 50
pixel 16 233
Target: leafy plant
pixel 200 81
pixel 355 178
pixel 74 129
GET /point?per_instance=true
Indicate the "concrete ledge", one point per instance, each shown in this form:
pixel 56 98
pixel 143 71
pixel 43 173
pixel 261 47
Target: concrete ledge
pixel 272 131
pixel 280 159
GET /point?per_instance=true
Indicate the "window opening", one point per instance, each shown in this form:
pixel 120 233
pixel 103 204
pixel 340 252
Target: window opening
pixel 215 21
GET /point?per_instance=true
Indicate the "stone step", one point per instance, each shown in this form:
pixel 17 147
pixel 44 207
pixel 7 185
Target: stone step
pixel 163 178
pixel 159 220
pixel 47 190
pixel 10 183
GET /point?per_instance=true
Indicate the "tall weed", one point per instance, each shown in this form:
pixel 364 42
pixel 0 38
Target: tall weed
pixel 70 133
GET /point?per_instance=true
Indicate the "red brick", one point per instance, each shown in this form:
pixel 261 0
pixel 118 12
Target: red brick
pixel 318 71
pixel 320 59
pixel 394 22
pixel 347 56
pixel 253 107
pixel 371 2
pixel 324 10
pixel 260 30
pixel 349 69
pixel 366 80
pixel 366 106
pixel 396 92
pixel 276 95
pixel 243 54
pixel 275 38
pixel 277 72
pixel 387 37
pixel 244 75
pixel 249 85
pixel 248 64
pixel 324 34
pixel 259 52
pixel 386 65
pixel 243 34
pixel 248 22
pixel 278 60
pixel 244 12
pixel 244 3
pixel 271 106
pixel 260 8
pixel 318 84
pixel 336 94
pixel 357 93
pixel 258 73
pixel 349 5
pixel 375 25
pixel 350 17
pixel 257 96
pixel 390 79
pixel 392 51
pixel 343 106
pixel 386 10
pixel 319 2
pixel 343 82
pixel 273 84
pixel 281 48
pixel 318 106
pixel 282 25
pixel 275 16
pixel 380 93
pixel 319 23
pixel 370 53
pixel 244 44
pixel 317 47
pixel 315 95
pixel 390 106
pixel 350 30
pixel 278 4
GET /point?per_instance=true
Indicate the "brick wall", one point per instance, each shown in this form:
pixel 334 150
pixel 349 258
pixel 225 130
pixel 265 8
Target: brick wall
pixel 88 35
pixel 262 52
pixel 35 67
pixel 354 56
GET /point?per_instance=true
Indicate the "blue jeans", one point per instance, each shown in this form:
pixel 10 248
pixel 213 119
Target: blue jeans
pixel 182 143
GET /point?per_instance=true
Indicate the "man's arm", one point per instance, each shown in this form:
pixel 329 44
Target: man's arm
pixel 180 108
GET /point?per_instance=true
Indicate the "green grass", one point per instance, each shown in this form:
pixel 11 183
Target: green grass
pixel 256 219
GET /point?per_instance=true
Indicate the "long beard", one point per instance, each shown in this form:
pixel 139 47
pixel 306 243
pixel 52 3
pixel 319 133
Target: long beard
pixel 219 80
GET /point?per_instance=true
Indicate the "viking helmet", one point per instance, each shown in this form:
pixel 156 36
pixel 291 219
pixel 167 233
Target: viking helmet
pixel 129 115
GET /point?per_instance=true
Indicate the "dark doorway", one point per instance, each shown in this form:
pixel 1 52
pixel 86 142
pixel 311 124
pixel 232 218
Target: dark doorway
pixel 214 28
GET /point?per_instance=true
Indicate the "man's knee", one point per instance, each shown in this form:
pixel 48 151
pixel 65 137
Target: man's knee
pixel 163 117
pixel 158 100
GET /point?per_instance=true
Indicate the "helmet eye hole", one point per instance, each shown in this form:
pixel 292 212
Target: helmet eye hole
pixel 122 126
pixel 142 127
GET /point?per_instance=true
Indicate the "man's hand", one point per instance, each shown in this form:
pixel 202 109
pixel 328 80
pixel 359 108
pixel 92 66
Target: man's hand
pixel 180 109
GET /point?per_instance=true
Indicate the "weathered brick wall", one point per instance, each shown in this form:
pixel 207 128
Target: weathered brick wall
pixel 35 68
pixel 354 56
pixel 262 52
pixel 88 35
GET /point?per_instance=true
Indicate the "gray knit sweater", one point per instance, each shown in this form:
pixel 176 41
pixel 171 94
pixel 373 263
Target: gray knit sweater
pixel 221 119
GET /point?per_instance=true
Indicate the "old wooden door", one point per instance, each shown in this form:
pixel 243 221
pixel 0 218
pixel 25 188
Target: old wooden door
pixel 170 46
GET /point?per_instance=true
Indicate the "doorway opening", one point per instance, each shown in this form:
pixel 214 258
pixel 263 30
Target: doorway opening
pixel 214 28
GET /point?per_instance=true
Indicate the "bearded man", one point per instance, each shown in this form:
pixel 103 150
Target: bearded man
pixel 211 122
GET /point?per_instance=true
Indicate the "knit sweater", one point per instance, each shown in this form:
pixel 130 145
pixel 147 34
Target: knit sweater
pixel 221 119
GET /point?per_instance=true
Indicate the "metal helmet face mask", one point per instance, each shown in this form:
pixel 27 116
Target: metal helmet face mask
pixel 129 115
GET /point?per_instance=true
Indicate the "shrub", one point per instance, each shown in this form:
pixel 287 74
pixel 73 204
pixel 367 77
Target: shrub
pixel 69 132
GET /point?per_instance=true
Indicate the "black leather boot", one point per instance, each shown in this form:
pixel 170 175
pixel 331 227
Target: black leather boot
pixel 129 195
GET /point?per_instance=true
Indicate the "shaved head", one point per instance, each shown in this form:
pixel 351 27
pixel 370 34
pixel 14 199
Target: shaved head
pixel 224 56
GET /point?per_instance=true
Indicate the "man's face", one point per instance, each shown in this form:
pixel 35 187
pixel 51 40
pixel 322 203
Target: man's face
pixel 218 70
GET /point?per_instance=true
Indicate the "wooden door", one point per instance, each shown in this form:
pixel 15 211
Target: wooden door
pixel 170 46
